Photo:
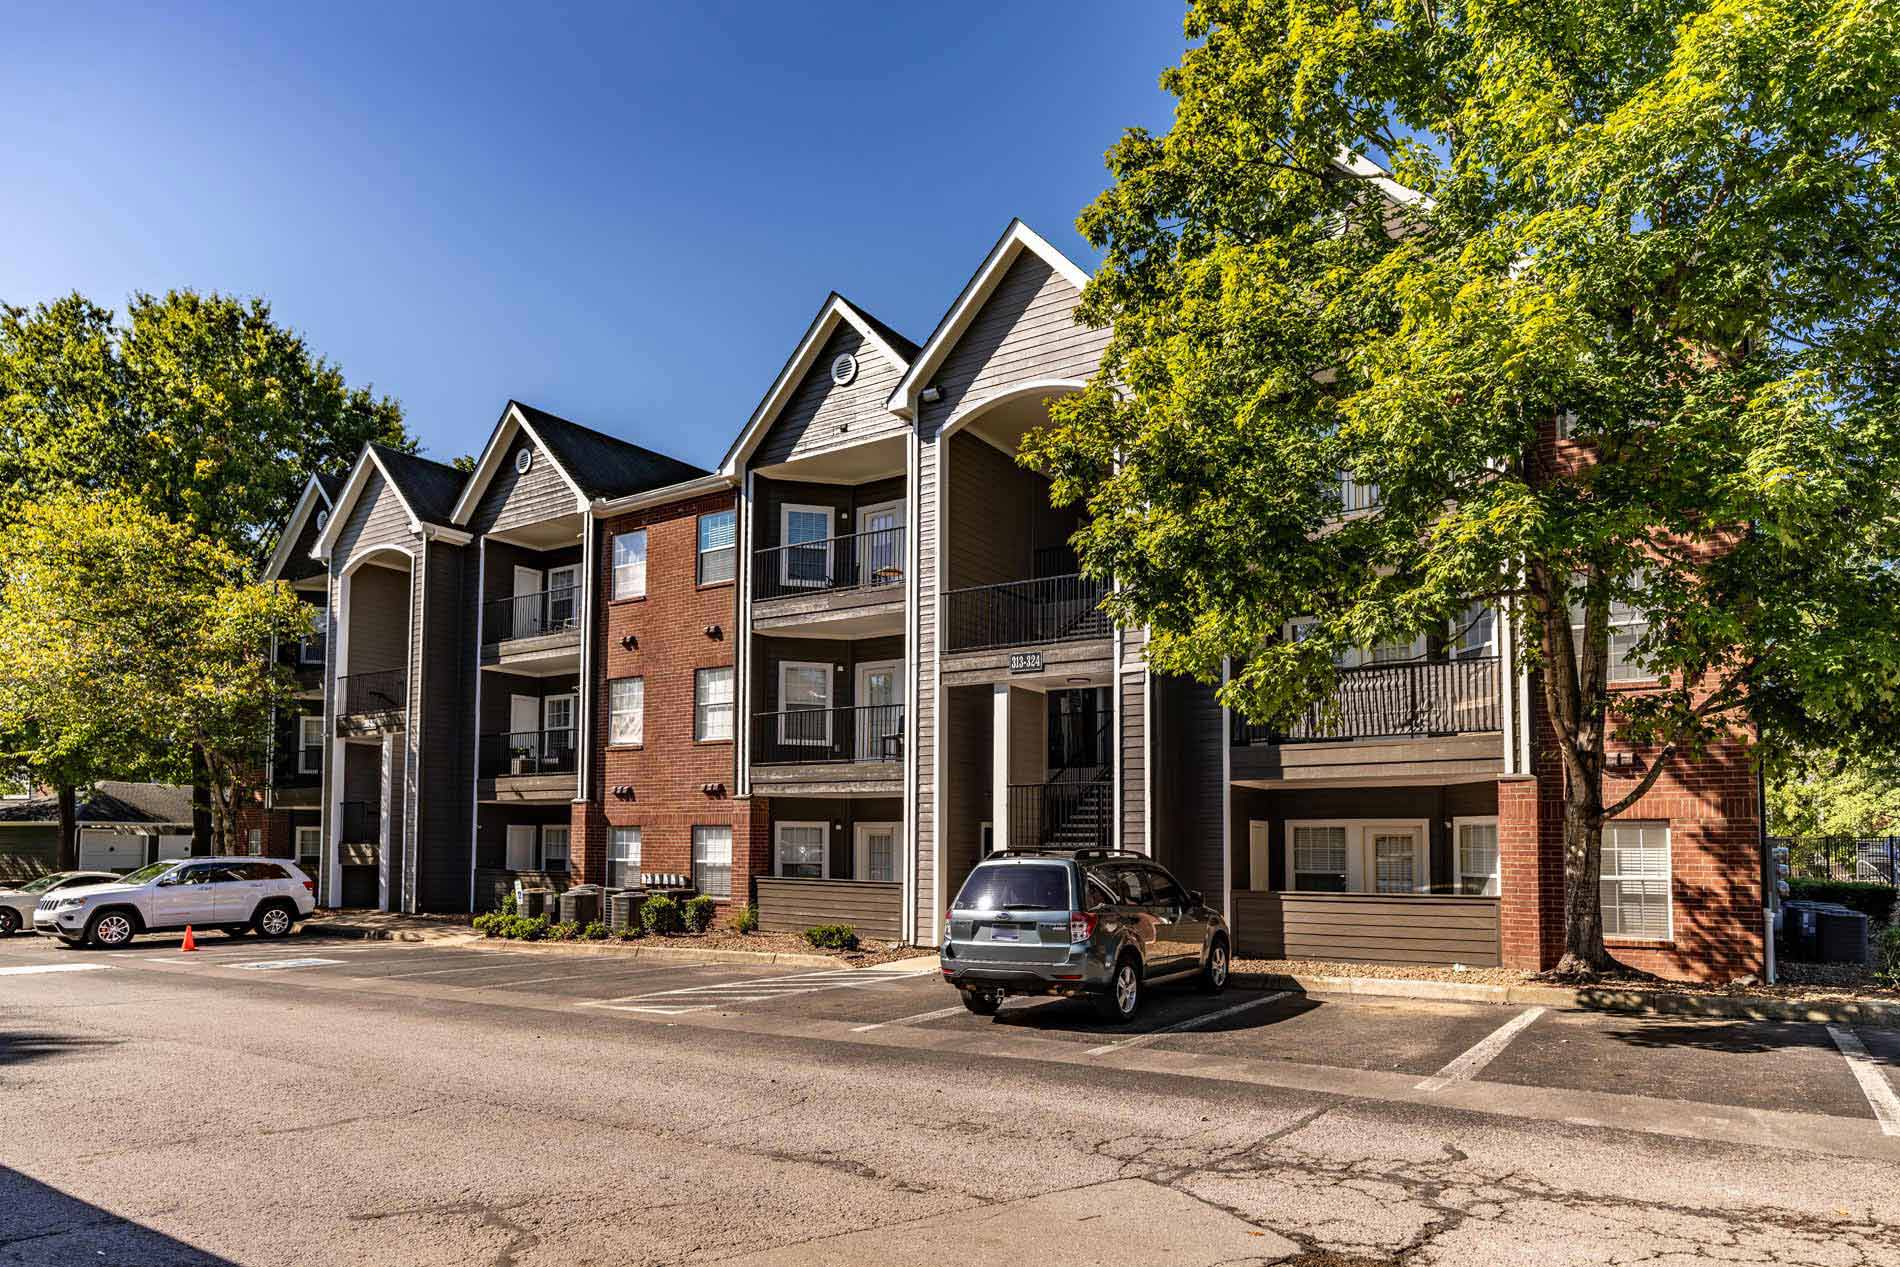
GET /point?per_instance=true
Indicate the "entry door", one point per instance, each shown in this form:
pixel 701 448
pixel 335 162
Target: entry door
pixel 520 855
pixel 876 853
pixel 880 712
pixel 525 611
pixel 881 552
pixel 563 596
pixel 524 740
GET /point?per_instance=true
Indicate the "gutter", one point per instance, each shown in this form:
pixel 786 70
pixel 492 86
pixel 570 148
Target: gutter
pixel 601 507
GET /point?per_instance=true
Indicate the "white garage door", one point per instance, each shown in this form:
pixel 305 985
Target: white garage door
pixel 171 848
pixel 110 851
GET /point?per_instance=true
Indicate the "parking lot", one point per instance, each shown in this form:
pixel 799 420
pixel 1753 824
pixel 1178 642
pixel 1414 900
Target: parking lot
pixel 1805 1081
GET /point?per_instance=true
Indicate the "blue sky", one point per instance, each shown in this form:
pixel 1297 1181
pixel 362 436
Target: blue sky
pixel 625 215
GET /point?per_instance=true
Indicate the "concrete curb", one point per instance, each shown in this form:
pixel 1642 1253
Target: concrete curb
pixel 1637 1002
pixel 626 950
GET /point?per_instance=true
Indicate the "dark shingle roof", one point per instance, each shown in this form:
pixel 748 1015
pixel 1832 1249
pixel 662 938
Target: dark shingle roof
pixel 603 465
pixel 428 486
pixel 899 344
pixel 332 485
pixel 154 804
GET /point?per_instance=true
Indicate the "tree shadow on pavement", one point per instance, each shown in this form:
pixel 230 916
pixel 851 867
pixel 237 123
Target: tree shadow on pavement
pixel 41 1224
pixel 1731 1037
pixel 20 1047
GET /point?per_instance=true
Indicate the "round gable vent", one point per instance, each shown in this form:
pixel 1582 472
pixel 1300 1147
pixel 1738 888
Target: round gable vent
pixel 323 520
pixel 524 460
pixel 844 368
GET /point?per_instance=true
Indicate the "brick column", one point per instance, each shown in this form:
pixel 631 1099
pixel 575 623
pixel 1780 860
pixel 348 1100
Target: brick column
pixel 751 844
pixel 1530 880
pixel 587 844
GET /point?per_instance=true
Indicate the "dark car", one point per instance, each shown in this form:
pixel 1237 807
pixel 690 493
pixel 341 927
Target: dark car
pixel 1100 924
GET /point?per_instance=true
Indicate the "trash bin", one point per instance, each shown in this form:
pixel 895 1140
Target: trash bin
pixel 581 905
pixel 1843 936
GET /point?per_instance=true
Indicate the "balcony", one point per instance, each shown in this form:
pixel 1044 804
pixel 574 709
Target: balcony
pixel 1025 613
pixel 1410 700
pixel 529 754
pixel 543 627
pixel 383 692
pixel 829 749
pixel 362 823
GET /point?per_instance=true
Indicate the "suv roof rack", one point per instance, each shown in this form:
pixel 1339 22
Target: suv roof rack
pixel 1067 851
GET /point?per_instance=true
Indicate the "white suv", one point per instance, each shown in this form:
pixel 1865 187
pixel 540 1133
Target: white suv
pixel 235 894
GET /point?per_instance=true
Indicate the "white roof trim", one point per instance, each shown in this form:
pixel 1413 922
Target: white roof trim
pixel 1016 239
pixel 836 308
pixel 1381 179
pixel 698 487
pixel 346 501
pixel 293 528
pixel 491 461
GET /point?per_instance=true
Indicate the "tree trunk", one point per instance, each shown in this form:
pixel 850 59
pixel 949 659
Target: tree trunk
pixel 68 827
pixel 1584 952
pixel 201 841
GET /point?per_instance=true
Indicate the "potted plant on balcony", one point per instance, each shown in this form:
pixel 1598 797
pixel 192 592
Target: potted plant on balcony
pixel 521 761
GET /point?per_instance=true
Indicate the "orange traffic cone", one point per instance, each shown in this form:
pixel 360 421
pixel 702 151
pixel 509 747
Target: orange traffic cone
pixel 191 943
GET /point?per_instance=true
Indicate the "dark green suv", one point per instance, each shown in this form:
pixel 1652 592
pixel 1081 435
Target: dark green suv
pixel 1101 924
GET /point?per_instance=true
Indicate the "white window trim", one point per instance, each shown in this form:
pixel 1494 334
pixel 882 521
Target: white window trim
pixel 541 844
pixel 573 711
pixel 304 746
pixel 865 749
pixel 785 513
pixel 1361 868
pixel 639 738
pixel 831 701
pixel 510 834
pixel 731 702
pixel 824 856
pixel 639 847
pixel 693 861
pixel 699 546
pixel 896 508
pixel 297 838
pixel 1458 872
pixel 861 848
pixel 1669 880
pixel 614 564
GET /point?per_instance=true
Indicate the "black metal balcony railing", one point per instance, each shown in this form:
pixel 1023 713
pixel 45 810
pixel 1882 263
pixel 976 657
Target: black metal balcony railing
pixel 303 653
pixel 1074 810
pixel 362 823
pixel 864 560
pixel 383 691
pixel 294 764
pixel 871 733
pixel 1396 701
pixel 531 615
pixel 1021 613
pixel 525 752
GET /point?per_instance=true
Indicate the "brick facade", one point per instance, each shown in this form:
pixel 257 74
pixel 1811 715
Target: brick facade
pixel 661 785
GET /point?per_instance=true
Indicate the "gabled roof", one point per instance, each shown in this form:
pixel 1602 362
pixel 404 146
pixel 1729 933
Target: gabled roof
pixel 425 488
pixel 319 493
pixel 133 804
pixel 1016 239
pixel 893 346
pixel 595 465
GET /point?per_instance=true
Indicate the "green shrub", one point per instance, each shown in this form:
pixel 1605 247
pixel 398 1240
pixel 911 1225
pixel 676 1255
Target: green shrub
pixel 1875 901
pixel 660 914
pixel 832 936
pixel 490 924
pixel 508 903
pixel 632 931
pixel 524 929
pixel 595 931
pixel 699 913
pixel 745 918
pixel 566 930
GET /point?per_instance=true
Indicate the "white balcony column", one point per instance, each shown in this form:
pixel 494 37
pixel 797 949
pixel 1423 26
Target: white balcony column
pixel 999 766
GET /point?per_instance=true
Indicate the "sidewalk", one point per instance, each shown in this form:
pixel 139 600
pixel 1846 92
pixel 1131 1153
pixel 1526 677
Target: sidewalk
pixel 391 926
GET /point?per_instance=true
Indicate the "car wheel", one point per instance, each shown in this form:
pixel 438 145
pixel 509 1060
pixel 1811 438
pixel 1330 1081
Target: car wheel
pixel 9 921
pixel 110 930
pixel 982 1002
pixel 1213 977
pixel 1123 998
pixel 274 920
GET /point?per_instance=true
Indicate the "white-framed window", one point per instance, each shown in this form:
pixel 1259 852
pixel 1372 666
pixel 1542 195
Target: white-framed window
pixel 254 842
pixel 309 846
pixel 1318 858
pixel 557 712
pixel 630 563
pixel 875 853
pixel 1475 856
pixel 310 646
pixel 310 743
pixel 1394 861
pixel 1627 627
pixel 881 543
pixel 1355 494
pixel 718 546
pixel 805 532
pixel 1474 632
pixel 1635 880
pixel 985 839
pixel 564 595
pixel 627 710
pixel 712 703
pixel 1396 651
pixel 623 857
pixel 804 688
pixel 520 847
pixel 554 848
pixel 802 850
pixel 712 861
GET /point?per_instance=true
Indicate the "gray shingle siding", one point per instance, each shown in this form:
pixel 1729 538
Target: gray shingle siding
pixel 820 415
pixel 513 499
pixel 1026 331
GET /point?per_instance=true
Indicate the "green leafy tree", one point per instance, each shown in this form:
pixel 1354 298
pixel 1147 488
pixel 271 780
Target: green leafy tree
pixel 1672 225
pixel 201 406
pixel 1821 793
pixel 129 642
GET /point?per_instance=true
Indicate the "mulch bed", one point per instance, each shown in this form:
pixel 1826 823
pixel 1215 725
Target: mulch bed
pixel 1800 982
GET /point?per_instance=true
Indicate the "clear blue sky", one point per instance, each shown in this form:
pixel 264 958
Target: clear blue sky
pixel 626 215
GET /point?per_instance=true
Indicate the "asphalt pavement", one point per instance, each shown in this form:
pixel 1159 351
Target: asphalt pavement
pixel 321 1101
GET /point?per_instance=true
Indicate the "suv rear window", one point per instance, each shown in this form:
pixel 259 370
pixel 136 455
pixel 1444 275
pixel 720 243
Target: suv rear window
pixel 1022 886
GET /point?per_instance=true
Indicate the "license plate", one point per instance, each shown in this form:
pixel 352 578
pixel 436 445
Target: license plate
pixel 1004 934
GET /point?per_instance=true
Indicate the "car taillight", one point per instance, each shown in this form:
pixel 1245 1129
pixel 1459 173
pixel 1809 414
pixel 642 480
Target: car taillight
pixel 1081 925
pixel 311 886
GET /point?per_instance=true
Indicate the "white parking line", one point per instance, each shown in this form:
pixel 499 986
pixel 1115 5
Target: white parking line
pixel 273 965
pixel 1192 1022
pixel 1482 1053
pixel 32 969
pixel 703 998
pixel 575 976
pixel 468 967
pixel 1873 1084
pixel 911 1020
